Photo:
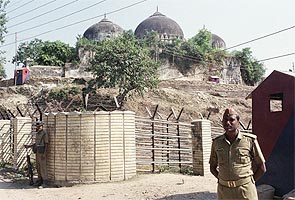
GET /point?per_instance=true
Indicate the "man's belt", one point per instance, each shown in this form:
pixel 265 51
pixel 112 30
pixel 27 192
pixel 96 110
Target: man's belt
pixel 236 183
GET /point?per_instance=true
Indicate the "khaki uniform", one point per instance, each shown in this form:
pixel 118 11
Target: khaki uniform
pixel 234 161
pixel 41 139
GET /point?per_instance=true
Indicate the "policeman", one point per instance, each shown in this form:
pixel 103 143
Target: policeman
pixel 236 160
pixel 40 147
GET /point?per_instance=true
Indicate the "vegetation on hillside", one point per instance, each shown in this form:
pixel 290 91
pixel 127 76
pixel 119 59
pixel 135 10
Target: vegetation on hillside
pixel 197 49
pixel 39 52
pixel 3 21
pixel 2 70
pixel 251 70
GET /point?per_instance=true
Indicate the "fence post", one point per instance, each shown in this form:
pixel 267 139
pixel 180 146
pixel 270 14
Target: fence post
pixel 153 146
pixel 201 146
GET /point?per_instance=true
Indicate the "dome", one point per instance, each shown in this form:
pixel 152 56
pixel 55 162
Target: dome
pixel 164 26
pixel 103 30
pixel 217 42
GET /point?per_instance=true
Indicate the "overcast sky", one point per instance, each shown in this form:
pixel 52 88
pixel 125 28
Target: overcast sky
pixel 236 21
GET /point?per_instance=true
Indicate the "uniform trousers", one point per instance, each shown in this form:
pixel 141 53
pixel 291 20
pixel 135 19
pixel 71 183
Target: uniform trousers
pixel 246 191
pixel 41 167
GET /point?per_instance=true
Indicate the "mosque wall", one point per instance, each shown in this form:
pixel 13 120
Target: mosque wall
pixel 228 72
pixel 168 71
pixel 39 71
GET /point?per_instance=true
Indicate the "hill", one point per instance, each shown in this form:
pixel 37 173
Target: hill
pixel 196 98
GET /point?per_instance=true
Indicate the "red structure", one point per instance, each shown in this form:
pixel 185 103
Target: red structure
pixel 21 76
pixel 215 79
pixel 273 122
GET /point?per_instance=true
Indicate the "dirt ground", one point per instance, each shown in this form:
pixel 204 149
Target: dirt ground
pixel 164 186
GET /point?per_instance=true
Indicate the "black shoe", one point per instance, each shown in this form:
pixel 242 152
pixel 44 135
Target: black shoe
pixel 31 182
pixel 45 184
pixel 42 186
pixel 39 182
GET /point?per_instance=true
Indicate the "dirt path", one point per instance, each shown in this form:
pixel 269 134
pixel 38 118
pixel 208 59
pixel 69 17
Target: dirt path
pixel 142 187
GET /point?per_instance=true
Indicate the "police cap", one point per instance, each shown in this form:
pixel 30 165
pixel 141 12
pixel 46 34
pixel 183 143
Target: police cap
pixel 39 123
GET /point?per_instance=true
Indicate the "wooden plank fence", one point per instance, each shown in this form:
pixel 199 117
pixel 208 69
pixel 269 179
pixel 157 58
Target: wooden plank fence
pixel 162 143
pixel 14 134
pixel 6 141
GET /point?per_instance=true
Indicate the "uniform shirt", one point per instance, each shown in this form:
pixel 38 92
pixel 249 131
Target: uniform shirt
pixel 39 140
pixel 235 160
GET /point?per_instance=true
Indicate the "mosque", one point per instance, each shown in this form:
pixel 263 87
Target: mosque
pixel 167 29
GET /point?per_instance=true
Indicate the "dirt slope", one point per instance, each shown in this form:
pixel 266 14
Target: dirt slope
pixel 196 98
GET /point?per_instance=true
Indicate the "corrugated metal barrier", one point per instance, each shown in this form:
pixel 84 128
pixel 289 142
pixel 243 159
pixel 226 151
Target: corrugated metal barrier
pixel 91 146
pixel 6 141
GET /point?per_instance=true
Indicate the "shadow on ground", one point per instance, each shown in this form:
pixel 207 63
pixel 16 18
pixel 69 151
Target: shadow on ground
pixel 196 195
pixel 12 179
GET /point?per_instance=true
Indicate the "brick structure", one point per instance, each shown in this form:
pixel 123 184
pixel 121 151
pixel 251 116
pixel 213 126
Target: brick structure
pixel 201 144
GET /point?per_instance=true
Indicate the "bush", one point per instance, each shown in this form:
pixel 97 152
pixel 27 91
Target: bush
pixel 58 94
pixel 74 90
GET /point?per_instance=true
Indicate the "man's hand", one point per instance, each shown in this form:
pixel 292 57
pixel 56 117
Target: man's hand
pixel 213 170
pixel 260 170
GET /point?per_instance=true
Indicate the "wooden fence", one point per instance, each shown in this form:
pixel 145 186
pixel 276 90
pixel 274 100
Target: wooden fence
pixel 6 141
pixel 14 134
pixel 161 143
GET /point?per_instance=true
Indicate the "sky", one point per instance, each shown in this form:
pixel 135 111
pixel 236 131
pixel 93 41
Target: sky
pixel 235 21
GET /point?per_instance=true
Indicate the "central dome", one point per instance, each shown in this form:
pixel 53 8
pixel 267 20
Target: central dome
pixel 164 26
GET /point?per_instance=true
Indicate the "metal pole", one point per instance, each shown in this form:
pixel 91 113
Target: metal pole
pixel 153 138
pixel 15 64
pixel 20 112
pixel 178 139
pixel 40 111
pixel 153 146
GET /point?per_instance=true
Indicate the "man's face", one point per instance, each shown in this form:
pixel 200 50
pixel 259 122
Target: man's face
pixel 39 128
pixel 230 123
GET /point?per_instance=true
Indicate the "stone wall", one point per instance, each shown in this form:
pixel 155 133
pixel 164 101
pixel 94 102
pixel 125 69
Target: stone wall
pixel 228 71
pixel 46 71
pixel 74 71
pixel 231 73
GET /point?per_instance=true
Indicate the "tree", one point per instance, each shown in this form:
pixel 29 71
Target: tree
pixel 54 53
pixel 201 47
pixel 202 41
pixel 124 64
pixel 152 42
pixel 3 21
pixel 29 50
pixel 197 49
pixel 2 70
pixel 251 70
